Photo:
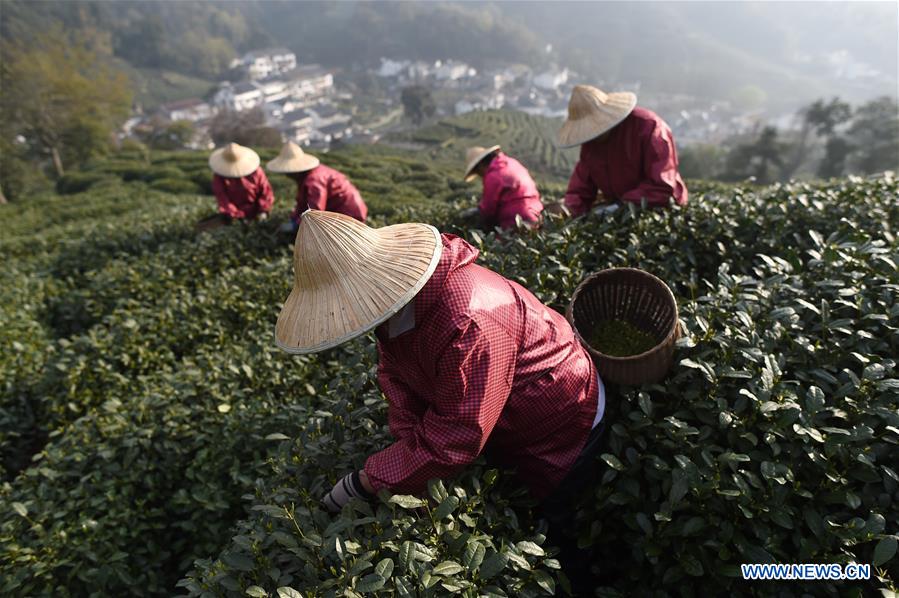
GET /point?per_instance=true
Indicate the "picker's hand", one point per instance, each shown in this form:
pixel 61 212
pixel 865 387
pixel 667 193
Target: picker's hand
pixel 349 487
pixel 601 199
pixel 469 213
pixel 556 209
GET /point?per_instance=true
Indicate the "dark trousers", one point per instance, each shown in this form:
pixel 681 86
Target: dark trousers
pixel 559 511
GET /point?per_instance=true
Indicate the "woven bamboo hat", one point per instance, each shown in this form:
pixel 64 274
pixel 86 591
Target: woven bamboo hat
pixel 592 112
pixel 234 161
pixel 348 278
pixel 473 156
pixel 292 159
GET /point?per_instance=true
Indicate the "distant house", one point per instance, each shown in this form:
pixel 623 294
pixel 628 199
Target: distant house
pixel 419 70
pixel 273 88
pixel 332 133
pixel 453 71
pixel 260 64
pixel 326 115
pixel 239 97
pixel 552 79
pixel 297 119
pixel 193 109
pixel 296 125
pixel 310 81
pixel 486 102
pixel 392 68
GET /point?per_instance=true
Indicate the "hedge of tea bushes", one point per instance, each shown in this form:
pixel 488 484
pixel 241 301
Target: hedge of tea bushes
pixel 463 537
pixel 774 439
pixel 139 385
pixel 145 388
pixel 388 179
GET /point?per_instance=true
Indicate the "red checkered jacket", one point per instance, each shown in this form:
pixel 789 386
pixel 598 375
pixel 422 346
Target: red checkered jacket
pixel 509 191
pixel 325 188
pixel 243 197
pixel 486 368
pixel 636 160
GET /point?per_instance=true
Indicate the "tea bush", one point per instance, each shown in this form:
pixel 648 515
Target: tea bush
pixel 77 182
pixel 150 432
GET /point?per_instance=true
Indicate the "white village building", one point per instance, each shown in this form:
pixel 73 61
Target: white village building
pixel 552 79
pixel 193 109
pixel 296 126
pixel 260 64
pixel 392 68
pixel 238 97
pixel 453 71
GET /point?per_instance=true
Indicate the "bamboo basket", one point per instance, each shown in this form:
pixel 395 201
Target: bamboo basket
pixel 638 298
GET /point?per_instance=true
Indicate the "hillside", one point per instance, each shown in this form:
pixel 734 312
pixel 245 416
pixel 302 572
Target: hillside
pixel 530 139
pixel 696 49
pixel 150 431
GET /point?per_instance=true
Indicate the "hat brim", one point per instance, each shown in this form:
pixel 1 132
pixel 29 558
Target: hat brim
pixel 245 165
pixel 469 176
pixel 299 306
pixel 580 131
pixel 302 164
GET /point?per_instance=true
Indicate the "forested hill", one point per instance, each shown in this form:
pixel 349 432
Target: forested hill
pixel 716 51
pixel 201 38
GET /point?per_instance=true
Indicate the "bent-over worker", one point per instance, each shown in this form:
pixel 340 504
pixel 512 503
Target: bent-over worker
pixel 627 152
pixel 319 187
pixel 509 190
pixel 240 186
pixel 471 363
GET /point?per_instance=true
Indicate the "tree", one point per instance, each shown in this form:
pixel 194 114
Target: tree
pixel 874 132
pixel 756 158
pixel 64 101
pixel 824 118
pixel 701 160
pixel 246 128
pixel 821 118
pixel 835 153
pixel 418 103
pixel 166 135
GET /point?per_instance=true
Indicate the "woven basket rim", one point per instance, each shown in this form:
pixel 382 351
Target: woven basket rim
pixel 569 314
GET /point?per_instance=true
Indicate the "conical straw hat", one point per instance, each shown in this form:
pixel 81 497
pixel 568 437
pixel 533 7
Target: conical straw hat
pixel 234 161
pixel 292 159
pixel 592 112
pixel 348 278
pixel 473 156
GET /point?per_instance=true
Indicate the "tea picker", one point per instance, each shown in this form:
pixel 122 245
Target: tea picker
pixel 471 363
pixel 509 190
pixel 627 152
pixel 240 187
pixel 319 187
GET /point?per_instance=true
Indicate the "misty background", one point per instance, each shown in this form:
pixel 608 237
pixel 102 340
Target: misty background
pixel 771 90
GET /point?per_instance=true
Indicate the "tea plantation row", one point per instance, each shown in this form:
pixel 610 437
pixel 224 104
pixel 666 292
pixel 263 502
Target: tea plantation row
pixel 528 138
pixel 150 432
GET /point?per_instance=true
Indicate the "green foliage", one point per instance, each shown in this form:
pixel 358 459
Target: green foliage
pixel 164 135
pixel 60 97
pixel 874 131
pixel 175 185
pixel 466 538
pixel 149 430
pixel 78 182
pixel 418 103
